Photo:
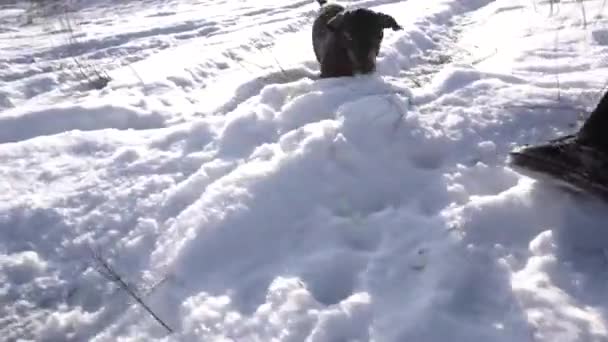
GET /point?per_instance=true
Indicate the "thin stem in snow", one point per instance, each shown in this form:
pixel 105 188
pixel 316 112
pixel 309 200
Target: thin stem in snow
pixel 110 273
pixel 584 13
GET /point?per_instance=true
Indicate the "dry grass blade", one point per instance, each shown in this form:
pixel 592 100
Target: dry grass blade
pixel 110 273
pixel 584 13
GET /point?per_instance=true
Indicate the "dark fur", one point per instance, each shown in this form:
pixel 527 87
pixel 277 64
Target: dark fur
pixel 336 53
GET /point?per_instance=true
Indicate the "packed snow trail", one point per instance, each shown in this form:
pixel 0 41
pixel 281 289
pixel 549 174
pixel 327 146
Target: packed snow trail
pixel 251 203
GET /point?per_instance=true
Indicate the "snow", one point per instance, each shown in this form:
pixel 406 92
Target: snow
pixel 247 200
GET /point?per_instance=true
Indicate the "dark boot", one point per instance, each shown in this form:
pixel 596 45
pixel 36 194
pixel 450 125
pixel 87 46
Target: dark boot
pixel 579 160
pixel 595 129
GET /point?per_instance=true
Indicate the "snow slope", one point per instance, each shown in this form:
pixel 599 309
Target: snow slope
pixel 246 200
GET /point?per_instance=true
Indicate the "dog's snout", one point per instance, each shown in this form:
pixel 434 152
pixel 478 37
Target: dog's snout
pixel 371 56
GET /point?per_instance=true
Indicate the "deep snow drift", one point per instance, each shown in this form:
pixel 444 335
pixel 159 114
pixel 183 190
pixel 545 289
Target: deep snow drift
pixel 249 203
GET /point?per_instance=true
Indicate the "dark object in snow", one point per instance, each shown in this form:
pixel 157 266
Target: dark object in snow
pixel 99 82
pixel 568 161
pixel 347 42
pixel 578 161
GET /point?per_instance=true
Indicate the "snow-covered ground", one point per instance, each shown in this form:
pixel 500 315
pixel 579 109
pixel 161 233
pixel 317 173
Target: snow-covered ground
pixel 246 200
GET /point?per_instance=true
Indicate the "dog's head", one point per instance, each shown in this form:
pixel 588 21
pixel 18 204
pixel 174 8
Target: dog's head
pixel 362 30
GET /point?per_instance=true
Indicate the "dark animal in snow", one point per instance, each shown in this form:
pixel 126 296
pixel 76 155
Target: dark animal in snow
pixel 347 41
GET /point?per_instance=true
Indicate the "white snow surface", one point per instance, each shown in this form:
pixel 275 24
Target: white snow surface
pixel 244 199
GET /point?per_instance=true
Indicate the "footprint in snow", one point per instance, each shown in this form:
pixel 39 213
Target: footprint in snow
pixel 600 36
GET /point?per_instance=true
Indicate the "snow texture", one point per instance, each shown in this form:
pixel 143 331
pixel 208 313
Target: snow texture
pixel 247 200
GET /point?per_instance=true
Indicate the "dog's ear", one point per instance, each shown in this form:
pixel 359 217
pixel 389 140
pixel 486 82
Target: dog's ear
pixel 336 23
pixel 387 21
